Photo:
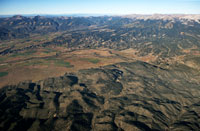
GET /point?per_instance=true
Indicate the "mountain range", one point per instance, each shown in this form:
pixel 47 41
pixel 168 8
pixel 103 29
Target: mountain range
pixel 132 72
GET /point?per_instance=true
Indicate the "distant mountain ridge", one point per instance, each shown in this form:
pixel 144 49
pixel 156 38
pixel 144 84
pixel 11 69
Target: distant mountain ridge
pixel 166 37
pixel 195 17
pixel 20 26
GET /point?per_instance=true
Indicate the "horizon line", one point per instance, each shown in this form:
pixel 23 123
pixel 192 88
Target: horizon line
pixel 110 14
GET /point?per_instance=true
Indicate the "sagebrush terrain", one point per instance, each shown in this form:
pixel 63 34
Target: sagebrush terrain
pixel 100 73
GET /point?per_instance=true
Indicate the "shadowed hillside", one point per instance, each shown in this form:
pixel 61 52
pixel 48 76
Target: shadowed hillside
pixel 124 96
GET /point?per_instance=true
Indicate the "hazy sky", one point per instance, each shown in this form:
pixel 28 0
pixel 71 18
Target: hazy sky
pixel 99 6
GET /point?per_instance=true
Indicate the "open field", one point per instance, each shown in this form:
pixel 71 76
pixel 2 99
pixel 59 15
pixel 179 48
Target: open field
pixel 43 63
pixel 37 66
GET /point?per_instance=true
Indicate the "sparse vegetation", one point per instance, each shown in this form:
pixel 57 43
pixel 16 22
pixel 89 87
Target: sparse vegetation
pixel 63 63
pixel 27 53
pixel 3 66
pixel 59 62
pixel 48 50
pixel 92 60
pixel 2 74
pixel 32 63
pixel 2 59
pixel 51 59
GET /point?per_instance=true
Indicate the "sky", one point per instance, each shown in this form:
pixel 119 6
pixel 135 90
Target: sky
pixel 116 7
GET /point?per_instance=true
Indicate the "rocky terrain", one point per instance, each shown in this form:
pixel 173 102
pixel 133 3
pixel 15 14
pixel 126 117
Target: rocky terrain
pixel 137 72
